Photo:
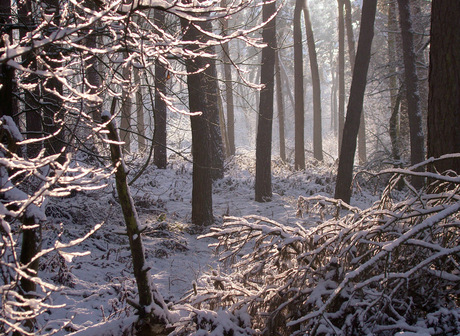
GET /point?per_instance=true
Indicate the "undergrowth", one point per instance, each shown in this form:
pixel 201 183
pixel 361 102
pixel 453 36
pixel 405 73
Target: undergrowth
pixel 393 267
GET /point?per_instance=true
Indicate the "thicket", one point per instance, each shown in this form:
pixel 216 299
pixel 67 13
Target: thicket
pixel 392 267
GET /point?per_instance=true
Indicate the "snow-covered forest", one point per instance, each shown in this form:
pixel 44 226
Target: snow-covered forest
pixel 229 167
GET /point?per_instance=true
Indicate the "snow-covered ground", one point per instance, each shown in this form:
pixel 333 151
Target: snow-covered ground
pixel 95 287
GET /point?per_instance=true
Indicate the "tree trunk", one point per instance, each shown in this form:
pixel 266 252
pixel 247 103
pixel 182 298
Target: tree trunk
pixel 6 72
pixel 417 142
pixel 228 88
pixel 317 122
pixel 299 151
pixel 201 135
pixel 160 132
pixel 355 103
pixel 53 119
pixel 139 112
pixel 125 123
pixel 280 107
pixel 31 107
pixel 263 183
pixel 212 93
pixel 223 126
pixel 206 86
pixel 92 75
pixel 148 294
pixel 341 74
pixel 31 246
pixel 334 77
pixel 351 50
pixel 444 83
pixel 395 94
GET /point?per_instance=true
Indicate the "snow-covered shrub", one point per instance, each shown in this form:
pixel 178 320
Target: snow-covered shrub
pixel 394 267
pixel 24 295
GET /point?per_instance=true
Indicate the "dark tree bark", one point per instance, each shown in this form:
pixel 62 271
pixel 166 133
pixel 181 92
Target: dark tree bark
pixel 355 103
pixel 417 141
pixel 92 64
pixel 444 84
pixel 198 86
pixel 139 112
pixel 299 137
pixel 394 128
pixel 334 89
pixel 223 126
pixel 53 118
pixel 351 50
pixel 6 72
pixel 206 86
pixel 31 108
pixel 228 89
pixel 31 246
pixel 263 183
pixel 212 94
pixel 148 294
pixel 126 104
pixel 341 74
pixel 317 122
pixel 280 107
pixel 160 133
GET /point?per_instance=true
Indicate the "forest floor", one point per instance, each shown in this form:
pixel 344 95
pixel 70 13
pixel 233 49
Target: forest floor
pixel 95 287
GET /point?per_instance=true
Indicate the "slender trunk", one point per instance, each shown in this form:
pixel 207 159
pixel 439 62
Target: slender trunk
pixel 352 54
pixel 417 142
pixel 6 72
pixel 317 122
pixel 263 183
pixel 53 118
pixel 341 74
pixel 355 103
pixel 228 88
pixel 286 82
pixel 148 294
pixel 125 123
pixel 299 151
pixel 280 107
pixel 31 105
pixel 92 75
pixel 395 94
pixel 139 112
pixel 31 246
pixel 160 132
pixel 334 107
pixel 223 126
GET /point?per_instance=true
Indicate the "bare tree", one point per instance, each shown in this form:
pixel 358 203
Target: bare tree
pixel 6 71
pixel 159 135
pixel 298 90
pixel 351 50
pixel 150 301
pixel 444 82
pixel 417 142
pixel 280 107
pixel 394 129
pixel 341 74
pixel 263 183
pixel 317 115
pixel 355 103
pixel 228 89
pixel 202 214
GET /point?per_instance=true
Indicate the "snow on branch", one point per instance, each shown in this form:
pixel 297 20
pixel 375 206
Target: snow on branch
pixel 393 267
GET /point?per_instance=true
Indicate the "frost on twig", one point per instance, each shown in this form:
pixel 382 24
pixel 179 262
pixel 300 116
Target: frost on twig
pixel 24 295
pixel 344 271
